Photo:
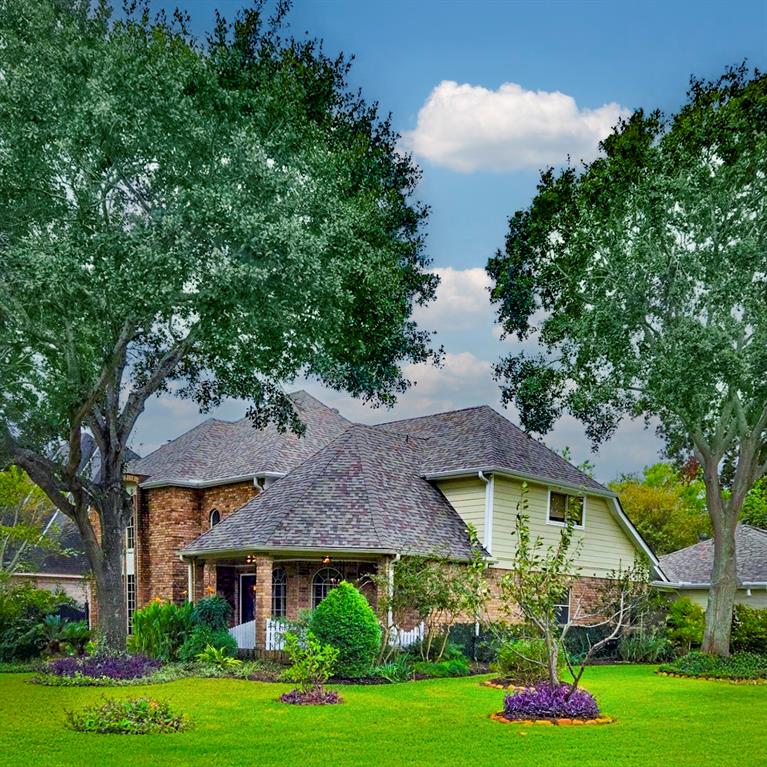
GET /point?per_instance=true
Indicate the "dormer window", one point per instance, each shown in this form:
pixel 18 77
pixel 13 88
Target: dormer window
pixel 215 517
pixel 563 506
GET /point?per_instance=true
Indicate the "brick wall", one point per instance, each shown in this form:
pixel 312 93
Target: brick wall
pixel 170 518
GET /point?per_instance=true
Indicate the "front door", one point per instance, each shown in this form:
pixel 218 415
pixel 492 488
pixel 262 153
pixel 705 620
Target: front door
pixel 247 598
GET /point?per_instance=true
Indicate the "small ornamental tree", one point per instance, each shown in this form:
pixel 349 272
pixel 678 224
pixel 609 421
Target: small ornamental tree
pixel 345 620
pixel 643 278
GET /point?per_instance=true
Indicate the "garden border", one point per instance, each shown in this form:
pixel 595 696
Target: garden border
pixel 600 720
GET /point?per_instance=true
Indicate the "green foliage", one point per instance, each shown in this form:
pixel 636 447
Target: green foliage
pixel 218 657
pixel 26 525
pixel 22 610
pixel 441 669
pixel 75 636
pixel 140 716
pixel 742 665
pixel 667 508
pixel 685 623
pixel 312 661
pixel 202 637
pixel 749 630
pixel 345 620
pixel 160 629
pixel 398 669
pixel 525 661
pixel 645 647
pixel 213 611
pixel 755 505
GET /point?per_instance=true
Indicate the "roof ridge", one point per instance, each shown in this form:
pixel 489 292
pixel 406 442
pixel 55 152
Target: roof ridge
pixel 432 415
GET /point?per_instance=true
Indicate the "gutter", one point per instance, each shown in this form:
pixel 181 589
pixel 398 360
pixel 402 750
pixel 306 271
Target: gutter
pixel 230 552
pixel 682 585
pixel 203 483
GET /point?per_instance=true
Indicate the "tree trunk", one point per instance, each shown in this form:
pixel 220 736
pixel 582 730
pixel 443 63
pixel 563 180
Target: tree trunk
pixel 721 595
pixel 553 656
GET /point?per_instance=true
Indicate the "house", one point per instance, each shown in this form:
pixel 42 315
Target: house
pixel 689 570
pixel 66 570
pixel 272 521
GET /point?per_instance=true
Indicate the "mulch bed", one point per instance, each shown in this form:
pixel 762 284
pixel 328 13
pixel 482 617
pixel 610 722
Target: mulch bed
pixel 760 680
pixel 501 717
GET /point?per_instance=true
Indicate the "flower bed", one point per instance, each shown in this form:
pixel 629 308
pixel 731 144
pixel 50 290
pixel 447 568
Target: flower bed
pixel 141 716
pixel 118 667
pixel 740 667
pixel 317 697
pixel 547 703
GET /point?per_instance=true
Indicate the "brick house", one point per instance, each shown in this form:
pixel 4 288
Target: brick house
pixel 272 521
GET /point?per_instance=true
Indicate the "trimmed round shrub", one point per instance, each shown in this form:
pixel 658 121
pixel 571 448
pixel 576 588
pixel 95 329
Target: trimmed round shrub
pixel 549 702
pixel 525 661
pixel 204 636
pixel 140 716
pixel 213 612
pixel 345 620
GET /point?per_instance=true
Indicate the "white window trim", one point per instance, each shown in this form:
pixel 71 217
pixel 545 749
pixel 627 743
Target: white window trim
pixel 555 523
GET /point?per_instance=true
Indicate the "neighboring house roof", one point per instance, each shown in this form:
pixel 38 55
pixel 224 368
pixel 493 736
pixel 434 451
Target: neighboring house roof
pixel 693 565
pixel 364 491
pixel 479 438
pixel 219 451
pixel 40 560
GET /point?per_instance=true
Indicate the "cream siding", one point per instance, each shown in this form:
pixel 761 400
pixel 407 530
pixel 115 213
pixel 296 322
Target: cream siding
pixel 605 546
pixel 467 496
pixel 757 600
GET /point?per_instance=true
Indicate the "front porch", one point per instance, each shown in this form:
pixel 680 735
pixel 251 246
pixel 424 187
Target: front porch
pixel 264 590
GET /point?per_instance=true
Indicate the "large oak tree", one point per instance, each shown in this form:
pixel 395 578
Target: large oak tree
pixel 211 218
pixel 643 277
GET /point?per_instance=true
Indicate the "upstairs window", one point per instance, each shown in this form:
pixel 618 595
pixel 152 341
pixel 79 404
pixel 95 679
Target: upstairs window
pixel 130 534
pixel 215 517
pixel 563 507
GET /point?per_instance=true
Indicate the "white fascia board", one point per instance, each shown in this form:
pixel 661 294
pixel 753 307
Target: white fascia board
pixel 223 553
pixel 633 533
pixel 683 585
pixel 203 483
pixel 537 478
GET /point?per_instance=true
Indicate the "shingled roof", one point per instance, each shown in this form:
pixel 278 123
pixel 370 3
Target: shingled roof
pixel 694 564
pixel 219 451
pixel 480 438
pixel 364 491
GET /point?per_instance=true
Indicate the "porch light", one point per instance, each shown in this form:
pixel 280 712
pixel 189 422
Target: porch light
pixel 250 559
pixel 326 561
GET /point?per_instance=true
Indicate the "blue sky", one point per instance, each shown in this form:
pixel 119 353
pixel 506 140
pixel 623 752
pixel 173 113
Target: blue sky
pixel 440 69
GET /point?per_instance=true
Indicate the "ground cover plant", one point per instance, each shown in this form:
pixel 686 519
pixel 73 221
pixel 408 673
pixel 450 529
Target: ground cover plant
pixel 546 701
pixel 121 667
pixel 661 722
pixel 141 716
pixel 742 665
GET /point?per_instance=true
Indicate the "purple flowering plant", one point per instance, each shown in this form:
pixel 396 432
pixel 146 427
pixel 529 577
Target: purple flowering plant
pixel 112 666
pixel 546 701
pixel 318 696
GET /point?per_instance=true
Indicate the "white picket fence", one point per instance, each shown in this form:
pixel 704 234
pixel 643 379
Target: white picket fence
pixel 403 639
pixel 275 635
pixel 245 634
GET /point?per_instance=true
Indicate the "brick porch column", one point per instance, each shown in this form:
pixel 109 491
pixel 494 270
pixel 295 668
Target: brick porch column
pixel 263 598
pixel 208 579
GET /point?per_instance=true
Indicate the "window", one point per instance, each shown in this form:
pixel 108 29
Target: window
pixel 324 581
pixel 562 506
pixel 215 517
pixel 130 534
pixel 279 593
pixel 130 598
pixel 562 609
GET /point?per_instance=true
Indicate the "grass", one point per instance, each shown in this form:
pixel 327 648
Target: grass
pixel 661 721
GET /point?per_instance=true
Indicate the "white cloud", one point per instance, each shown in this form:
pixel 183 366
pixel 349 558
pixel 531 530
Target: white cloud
pixel 467 127
pixel 462 301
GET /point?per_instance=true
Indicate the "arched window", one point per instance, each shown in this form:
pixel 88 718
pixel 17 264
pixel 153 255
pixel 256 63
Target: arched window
pixel 324 581
pixel 279 593
pixel 215 517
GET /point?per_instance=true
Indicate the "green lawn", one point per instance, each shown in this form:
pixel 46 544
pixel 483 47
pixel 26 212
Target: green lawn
pixel 661 721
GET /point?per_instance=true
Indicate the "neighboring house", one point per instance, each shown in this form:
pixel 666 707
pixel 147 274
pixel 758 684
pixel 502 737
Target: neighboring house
pixel 689 570
pixel 67 571
pixel 272 522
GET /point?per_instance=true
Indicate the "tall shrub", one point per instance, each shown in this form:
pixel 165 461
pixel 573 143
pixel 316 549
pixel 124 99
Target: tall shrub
pixel 345 620
pixel 213 611
pixel 160 628
pixel 685 623
pixel 749 630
